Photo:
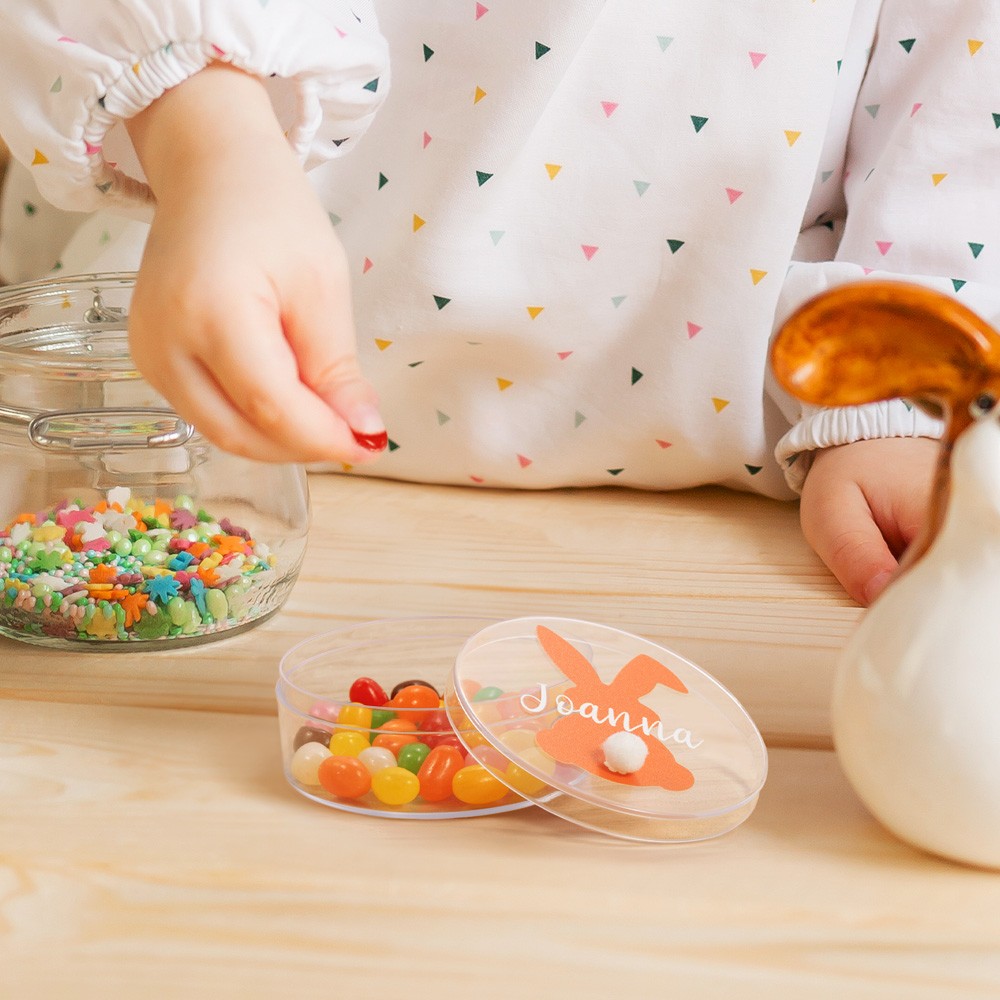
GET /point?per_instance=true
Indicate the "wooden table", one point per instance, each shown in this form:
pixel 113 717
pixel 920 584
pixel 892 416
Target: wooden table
pixel 150 846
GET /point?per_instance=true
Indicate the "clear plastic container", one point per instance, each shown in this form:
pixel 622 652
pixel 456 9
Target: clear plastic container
pixel 119 523
pixel 315 708
pixel 605 729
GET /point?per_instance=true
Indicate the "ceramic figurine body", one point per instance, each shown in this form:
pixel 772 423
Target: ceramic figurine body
pixel 916 709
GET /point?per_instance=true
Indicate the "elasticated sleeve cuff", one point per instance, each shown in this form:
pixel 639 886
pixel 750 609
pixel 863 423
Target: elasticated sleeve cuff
pixel 74 76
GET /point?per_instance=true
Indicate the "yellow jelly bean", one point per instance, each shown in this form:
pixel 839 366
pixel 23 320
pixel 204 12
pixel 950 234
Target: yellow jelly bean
pixel 476 786
pixel 518 739
pixel 47 533
pixel 355 716
pixel 523 781
pixel 395 786
pixel 348 743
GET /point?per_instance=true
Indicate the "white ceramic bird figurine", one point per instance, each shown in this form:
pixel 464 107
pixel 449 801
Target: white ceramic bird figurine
pixel 916 707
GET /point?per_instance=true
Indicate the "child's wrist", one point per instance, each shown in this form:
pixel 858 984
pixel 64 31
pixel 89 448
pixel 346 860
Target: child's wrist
pixel 218 110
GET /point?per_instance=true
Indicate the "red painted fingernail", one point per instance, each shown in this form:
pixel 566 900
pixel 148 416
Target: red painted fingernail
pixel 373 442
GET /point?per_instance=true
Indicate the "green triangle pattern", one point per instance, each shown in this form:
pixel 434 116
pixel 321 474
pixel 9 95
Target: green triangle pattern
pixel 392 445
pixel 907 43
pixel 578 418
pixel 443 418
pixel 482 177
pixel 615 472
pixel 428 52
pixel 698 122
pixel 976 248
pixel 382 181
pixel 541 49
pixel 957 283
pixel 675 245
pixel 440 301
pixel 753 469
pixel 641 187
pixel 372 85
pixel 636 375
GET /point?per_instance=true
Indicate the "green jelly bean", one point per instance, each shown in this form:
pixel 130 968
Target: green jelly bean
pixel 185 502
pixel 155 557
pixel 177 609
pixel 218 606
pixel 380 716
pixel 487 694
pixel 141 546
pixel 412 755
pixel 6 555
pixel 123 547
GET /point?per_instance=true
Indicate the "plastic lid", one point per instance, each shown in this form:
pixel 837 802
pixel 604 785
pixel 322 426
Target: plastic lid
pixel 553 702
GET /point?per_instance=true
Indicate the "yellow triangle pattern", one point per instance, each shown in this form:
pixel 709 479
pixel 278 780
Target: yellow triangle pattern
pixel 791 137
pixel 533 311
pixel 553 169
pixel 418 222
pixel 382 344
pixel 719 404
pixel 975 45
pixel 480 94
pixel 39 159
pixel 504 383
pixel 937 178
pixel 757 276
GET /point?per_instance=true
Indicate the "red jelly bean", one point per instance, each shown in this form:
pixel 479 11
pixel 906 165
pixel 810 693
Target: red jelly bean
pixel 436 722
pixel 365 691
pixel 437 773
pixel 445 740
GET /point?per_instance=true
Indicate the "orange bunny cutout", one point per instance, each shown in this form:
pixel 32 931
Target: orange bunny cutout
pixel 591 711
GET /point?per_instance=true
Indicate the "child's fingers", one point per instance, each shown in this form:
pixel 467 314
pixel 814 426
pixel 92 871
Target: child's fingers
pixel 260 378
pixel 320 330
pixel 842 530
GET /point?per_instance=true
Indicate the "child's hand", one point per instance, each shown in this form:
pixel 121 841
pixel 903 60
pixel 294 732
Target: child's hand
pixel 863 504
pixel 241 315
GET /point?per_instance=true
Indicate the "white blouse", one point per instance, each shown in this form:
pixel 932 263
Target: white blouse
pixel 573 225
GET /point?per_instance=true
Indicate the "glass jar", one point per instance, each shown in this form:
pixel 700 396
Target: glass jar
pixel 119 523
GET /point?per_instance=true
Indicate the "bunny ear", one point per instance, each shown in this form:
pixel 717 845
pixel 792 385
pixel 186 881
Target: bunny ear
pixel 870 341
pixel 574 665
pixel 642 673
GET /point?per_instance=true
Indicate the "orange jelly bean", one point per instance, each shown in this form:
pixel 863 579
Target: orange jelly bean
pixel 394 735
pixel 438 771
pixel 345 777
pixel 414 703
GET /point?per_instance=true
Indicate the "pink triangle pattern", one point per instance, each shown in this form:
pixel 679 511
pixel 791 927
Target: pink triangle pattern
pixel 477 479
pixel 693 330
pixel 884 246
pixel 732 194
pixel 589 251
pixel 610 107
pixel 367 266
pixel 427 140
pixel 563 355
pixel 523 461
pixel 757 58
pixel 663 444
pixel 481 9
pixel 916 107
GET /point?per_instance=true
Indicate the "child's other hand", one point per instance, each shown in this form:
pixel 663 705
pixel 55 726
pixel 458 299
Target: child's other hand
pixel 863 504
pixel 241 315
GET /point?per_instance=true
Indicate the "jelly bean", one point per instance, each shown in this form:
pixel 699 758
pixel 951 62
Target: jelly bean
pixel 435 722
pixel 518 739
pixel 346 777
pixel 398 726
pixel 523 781
pixel 326 710
pixel 311 734
pixel 487 694
pixel 306 761
pixel 380 716
pixel 413 702
pixel 415 683
pixel 437 773
pixel 395 786
pixel 377 759
pixel 413 755
pixel 355 716
pixel 476 786
pixel 444 740
pixel 366 691
pixel 348 743
pixel 393 742
pixel 490 758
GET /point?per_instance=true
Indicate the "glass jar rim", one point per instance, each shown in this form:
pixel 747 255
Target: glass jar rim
pixel 40 351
